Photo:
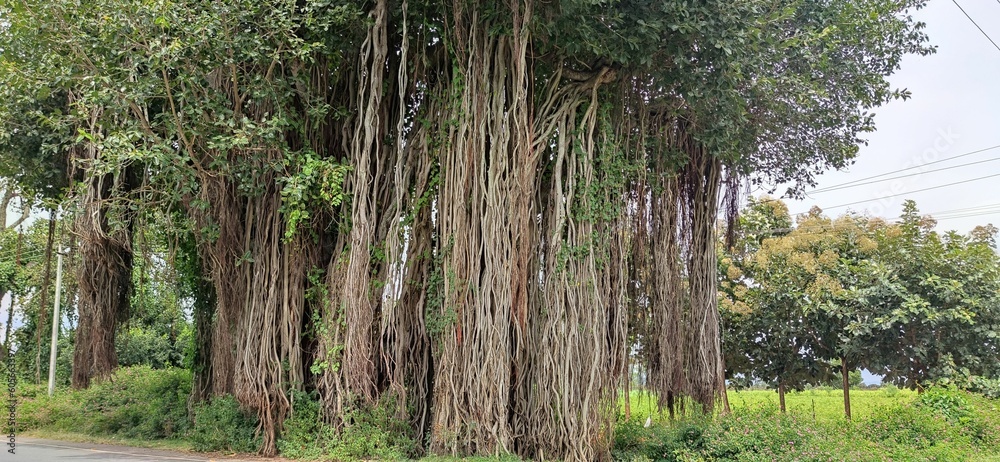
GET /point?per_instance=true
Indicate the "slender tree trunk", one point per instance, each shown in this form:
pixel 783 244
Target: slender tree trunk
pixel 204 308
pixel 781 396
pixel 847 388
pixel 10 317
pixel 13 302
pixel 43 307
pixel 628 393
pixel 725 400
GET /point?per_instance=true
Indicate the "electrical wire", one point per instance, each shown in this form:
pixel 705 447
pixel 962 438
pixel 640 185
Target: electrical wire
pixel 837 188
pixel 977 25
pixel 907 168
pixel 911 192
pixel 25 254
pixel 812 228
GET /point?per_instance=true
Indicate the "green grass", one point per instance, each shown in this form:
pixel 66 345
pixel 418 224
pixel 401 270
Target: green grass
pixel 939 425
pixel 822 404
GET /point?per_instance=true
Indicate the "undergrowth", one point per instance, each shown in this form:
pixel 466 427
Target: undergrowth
pixel 140 403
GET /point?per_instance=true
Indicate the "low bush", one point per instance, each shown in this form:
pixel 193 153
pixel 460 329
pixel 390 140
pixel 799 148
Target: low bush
pixel 35 410
pixel 889 390
pixel 220 425
pixel 139 402
pixel 136 402
pixel 303 435
pixel 372 433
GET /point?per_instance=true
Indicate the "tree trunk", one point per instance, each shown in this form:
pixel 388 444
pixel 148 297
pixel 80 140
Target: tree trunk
pixel 628 392
pixel 105 272
pixel 13 303
pixel 847 388
pixel 204 309
pixel 725 400
pixel 10 318
pixel 781 396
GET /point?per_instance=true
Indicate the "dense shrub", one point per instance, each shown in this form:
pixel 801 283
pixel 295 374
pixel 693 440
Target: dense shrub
pixel 139 402
pixel 889 390
pixel 303 436
pixel 143 346
pixel 633 441
pixel 136 402
pixel 366 434
pixel 906 425
pixel 220 425
pixel 35 410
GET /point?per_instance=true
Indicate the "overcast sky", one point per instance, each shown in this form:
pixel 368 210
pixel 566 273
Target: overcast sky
pixel 955 109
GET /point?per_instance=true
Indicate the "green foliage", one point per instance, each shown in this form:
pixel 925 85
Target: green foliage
pixel 987 387
pixel 304 430
pixel 144 346
pixel 36 410
pixel 139 402
pixel 373 433
pixel 907 425
pixel 942 292
pixel 220 425
pixel 366 434
pixel 633 441
pixel 889 389
pixel 499 458
pixel 136 402
pixel 317 185
pixel 854 379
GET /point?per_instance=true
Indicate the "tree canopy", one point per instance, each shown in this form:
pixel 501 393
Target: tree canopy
pixel 459 207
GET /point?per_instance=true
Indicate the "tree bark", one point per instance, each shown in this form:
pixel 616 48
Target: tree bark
pixel 628 393
pixel 10 318
pixel 847 388
pixel 105 272
pixel 781 396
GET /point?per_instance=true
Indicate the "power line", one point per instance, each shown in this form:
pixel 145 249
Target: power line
pixel 911 192
pixel 907 168
pixel 817 227
pixel 977 25
pixel 11 256
pixel 967 209
pixel 837 188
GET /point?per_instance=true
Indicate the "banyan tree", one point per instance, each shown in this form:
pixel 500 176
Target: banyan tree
pixel 476 210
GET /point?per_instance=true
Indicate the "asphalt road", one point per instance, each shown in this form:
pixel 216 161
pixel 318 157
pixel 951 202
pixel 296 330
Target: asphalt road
pixel 36 450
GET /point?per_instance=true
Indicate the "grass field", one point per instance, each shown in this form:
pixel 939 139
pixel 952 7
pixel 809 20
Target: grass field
pixel 822 404
pixel 145 407
pixel 888 425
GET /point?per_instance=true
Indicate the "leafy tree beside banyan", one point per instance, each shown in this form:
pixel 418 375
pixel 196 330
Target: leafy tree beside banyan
pixel 801 302
pixel 463 207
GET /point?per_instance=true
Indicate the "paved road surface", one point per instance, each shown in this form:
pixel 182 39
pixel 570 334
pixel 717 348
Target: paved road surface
pixel 36 450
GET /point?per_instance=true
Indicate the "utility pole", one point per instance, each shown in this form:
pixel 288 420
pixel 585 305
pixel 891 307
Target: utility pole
pixel 55 325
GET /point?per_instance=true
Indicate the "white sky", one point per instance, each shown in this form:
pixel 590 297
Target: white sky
pixel 955 109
